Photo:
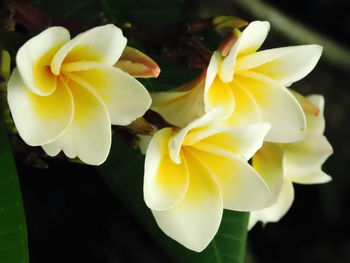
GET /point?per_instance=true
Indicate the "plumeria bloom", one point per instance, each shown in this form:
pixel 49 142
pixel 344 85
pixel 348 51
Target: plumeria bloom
pixel 65 93
pixel 250 84
pixel 193 173
pixel 299 162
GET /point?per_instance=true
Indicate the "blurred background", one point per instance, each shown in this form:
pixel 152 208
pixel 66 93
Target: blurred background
pixel 72 215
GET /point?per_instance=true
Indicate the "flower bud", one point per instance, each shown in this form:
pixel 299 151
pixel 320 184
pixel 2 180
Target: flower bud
pixel 137 64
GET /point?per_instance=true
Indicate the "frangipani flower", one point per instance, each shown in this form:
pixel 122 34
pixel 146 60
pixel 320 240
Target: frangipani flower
pixel 192 174
pixel 66 93
pixel 300 162
pixel 250 84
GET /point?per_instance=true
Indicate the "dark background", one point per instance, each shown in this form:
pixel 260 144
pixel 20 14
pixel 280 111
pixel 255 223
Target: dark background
pixel 72 215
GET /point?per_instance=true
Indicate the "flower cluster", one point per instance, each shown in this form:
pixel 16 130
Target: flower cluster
pixel 239 137
pixel 240 109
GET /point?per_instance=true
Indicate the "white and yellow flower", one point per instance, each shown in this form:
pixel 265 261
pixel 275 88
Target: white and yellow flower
pixel 300 162
pixel 250 84
pixel 193 173
pixel 66 93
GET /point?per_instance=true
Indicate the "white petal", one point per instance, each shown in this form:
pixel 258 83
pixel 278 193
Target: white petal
pixel 125 97
pixel 278 107
pixel 177 107
pixel 103 44
pixel 275 212
pixel 250 40
pixel 252 37
pixel 286 64
pixel 253 219
pixel 39 119
pixel 220 95
pixel 177 140
pixel 34 57
pixel 216 92
pixel 180 107
pixel 317 100
pixel 165 182
pixel 196 219
pixel 212 70
pixel 303 157
pixel 89 135
pixel 268 162
pixel 316 124
pixel 315 177
pixel 242 188
pixel 246 111
pixel 243 141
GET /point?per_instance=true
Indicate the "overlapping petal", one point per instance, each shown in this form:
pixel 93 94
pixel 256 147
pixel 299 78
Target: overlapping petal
pixel 316 123
pixel 315 177
pixel 195 220
pixel 89 135
pixel 242 188
pixel 268 162
pixel 34 57
pixel 242 141
pixel 165 182
pixel 125 98
pixel 39 119
pixel 178 107
pixel 216 92
pixel 182 105
pixel 201 123
pixel 303 157
pixel 278 107
pixel 220 95
pixel 249 41
pixel 212 71
pixel 285 65
pixel 103 44
pixel 246 110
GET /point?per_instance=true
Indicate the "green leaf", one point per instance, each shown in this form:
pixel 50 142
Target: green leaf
pixel 123 172
pixel 13 233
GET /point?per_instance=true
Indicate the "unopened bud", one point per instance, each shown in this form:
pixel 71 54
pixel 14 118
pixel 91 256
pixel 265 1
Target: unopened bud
pixel 138 64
